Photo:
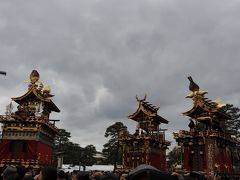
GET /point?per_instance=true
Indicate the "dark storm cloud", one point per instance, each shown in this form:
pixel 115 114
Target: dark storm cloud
pixel 97 55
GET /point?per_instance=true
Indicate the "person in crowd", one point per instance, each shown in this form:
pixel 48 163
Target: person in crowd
pixel 47 173
pixel 110 176
pixel 147 172
pixel 198 175
pixel 67 175
pixel 74 175
pixel 61 175
pixel 83 176
pixel 123 176
pixel 10 173
pixel 177 175
pixel 28 176
pixel 21 172
pixel 97 175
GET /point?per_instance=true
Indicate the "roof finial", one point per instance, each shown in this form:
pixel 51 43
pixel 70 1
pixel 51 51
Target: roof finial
pixel 137 98
pixel 34 76
pixel 145 97
pixel 192 86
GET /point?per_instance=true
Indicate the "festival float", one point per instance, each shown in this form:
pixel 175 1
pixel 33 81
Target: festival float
pixel 28 133
pixel 147 145
pixel 207 146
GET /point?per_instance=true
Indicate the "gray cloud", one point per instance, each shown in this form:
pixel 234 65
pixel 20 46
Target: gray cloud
pixel 97 55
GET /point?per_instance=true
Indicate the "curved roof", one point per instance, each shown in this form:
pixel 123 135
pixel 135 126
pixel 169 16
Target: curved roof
pixel 202 104
pixel 33 92
pixel 149 110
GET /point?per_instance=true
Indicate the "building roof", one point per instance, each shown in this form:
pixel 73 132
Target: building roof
pixel 203 105
pixel 32 92
pixel 147 109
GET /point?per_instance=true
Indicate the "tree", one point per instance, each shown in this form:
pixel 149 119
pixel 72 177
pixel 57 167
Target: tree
pixel 71 150
pixel 87 156
pixel 61 142
pixel 233 127
pixel 174 157
pixel 62 139
pixel 72 153
pixel 233 123
pixel 111 149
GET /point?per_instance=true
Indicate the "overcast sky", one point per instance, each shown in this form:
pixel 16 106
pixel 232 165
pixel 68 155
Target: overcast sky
pixel 97 55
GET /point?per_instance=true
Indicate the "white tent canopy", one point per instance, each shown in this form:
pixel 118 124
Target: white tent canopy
pixel 70 168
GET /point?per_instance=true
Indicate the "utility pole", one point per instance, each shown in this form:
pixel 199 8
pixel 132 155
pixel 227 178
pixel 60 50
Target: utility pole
pixel 2 73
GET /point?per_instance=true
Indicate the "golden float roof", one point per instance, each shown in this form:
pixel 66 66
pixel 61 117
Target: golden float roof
pixel 201 104
pixel 148 109
pixel 33 92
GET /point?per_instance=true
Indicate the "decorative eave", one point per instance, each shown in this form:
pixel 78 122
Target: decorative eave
pixel 192 112
pixel 38 120
pixel 183 134
pixel 203 104
pixel 142 109
pixel 149 110
pixel 30 91
pixel 162 120
pixel 50 126
pixel 209 107
pixel 33 91
pixel 144 138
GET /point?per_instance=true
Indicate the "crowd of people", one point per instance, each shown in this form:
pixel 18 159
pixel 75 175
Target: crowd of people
pixel 142 172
